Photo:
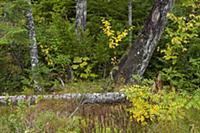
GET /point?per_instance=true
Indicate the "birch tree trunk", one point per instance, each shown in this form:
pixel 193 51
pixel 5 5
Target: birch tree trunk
pixel 112 97
pixel 136 60
pixel 33 44
pixel 130 18
pixel 81 15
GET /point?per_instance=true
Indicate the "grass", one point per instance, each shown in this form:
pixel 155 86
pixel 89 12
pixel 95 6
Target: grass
pixel 52 116
pixel 97 86
pixel 90 87
pixel 58 116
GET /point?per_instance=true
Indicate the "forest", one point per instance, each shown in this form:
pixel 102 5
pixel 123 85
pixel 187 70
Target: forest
pixel 99 66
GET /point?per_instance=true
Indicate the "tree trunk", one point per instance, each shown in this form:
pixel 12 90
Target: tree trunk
pixel 130 17
pixel 136 60
pixel 81 14
pixel 113 97
pixel 33 45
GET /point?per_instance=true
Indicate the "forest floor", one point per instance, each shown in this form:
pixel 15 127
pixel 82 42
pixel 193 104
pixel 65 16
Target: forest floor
pixel 71 116
pixel 99 86
pixel 57 116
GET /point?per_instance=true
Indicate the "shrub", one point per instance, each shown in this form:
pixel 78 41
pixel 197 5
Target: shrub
pixel 163 106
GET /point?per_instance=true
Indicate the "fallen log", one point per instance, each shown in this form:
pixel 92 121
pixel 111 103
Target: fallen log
pixel 111 97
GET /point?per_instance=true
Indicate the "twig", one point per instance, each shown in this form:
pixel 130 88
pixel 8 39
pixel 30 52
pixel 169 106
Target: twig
pixel 82 101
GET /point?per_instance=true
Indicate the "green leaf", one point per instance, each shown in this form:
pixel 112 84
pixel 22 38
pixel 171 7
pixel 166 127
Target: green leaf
pixel 83 75
pixel 75 66
pixel 176 40
pixel 83 64
pixel 4 42
pixel 77 60
pixel 86 58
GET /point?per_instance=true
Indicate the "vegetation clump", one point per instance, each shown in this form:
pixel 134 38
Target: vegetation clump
pixel 166 105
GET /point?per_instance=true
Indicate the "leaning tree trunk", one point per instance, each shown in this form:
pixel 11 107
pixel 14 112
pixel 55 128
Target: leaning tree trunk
pixel 130 17
pixel 136 60
pixel 33 45
pixel 81 14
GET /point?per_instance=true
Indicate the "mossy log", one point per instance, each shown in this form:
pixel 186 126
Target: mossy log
pixel 111 97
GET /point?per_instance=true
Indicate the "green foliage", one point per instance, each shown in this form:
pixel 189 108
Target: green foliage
pixel 181 35
pixel 82 68
pixel 46 79
pixel 177 56
pixel 13 22
pixel 52 116
pixel 24 118
pixel 88 87
pixel 60 39
pixel 57 41
pixel 17 121
pixel 49 121
pixel 178 53
pixel 14 120
pixel 13 44
pixel 183 39
pixel 162 106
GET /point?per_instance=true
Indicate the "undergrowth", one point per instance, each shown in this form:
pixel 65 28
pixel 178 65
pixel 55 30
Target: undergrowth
pixel 52 116
pixel 170 110
pixel 166 111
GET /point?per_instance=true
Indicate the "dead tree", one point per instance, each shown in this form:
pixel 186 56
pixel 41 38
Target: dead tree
pixel 111 97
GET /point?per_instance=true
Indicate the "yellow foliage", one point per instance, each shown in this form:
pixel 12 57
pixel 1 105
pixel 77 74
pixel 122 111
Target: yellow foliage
pixel 114 60
pixel 149 107
pixel 114 37
pixel 45 51
pixel 180 37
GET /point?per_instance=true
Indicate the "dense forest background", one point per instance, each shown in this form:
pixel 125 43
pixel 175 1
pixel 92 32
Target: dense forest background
pixel 99 66
pixel 89 55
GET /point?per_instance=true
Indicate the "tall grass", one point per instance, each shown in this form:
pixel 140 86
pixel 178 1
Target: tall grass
pixel 53 117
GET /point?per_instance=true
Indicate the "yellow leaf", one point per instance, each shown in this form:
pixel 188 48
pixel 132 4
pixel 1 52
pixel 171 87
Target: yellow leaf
pixel 83 64
pixel 77 60
pixel 176 40
pixel 75 66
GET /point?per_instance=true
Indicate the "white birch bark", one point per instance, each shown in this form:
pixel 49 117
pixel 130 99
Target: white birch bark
pixel 32 37
pixel 81 15
pixel 130 20
pixel 33 44
pixel 112 97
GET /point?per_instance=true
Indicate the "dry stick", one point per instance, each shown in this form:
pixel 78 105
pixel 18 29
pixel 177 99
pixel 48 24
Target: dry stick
pixel 82 101
pixel 61 81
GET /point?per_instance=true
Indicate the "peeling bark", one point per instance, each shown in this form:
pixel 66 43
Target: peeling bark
pixel 136 60
pixel 81 15
pixel 33 44
pixel 112 97
pixel 32 37
pixel 130 17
